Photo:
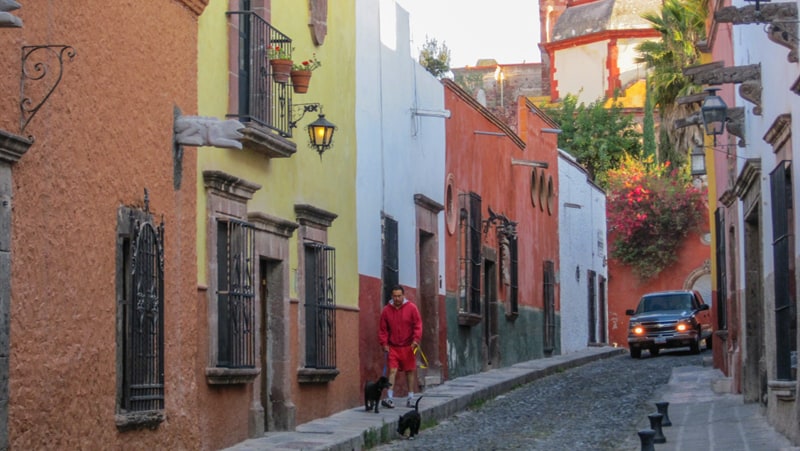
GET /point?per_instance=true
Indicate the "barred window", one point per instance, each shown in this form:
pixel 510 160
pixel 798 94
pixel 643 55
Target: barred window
pixel 320 306
pixel 549 277
pixel 140 318
pixel 390 276
pixel 235 294
pixel 513 293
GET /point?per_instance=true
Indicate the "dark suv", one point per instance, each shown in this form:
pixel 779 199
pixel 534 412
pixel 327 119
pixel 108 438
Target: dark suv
pixel 669 319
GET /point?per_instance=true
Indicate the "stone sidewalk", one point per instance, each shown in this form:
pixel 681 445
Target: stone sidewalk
pixel 705 420
pixel 355 429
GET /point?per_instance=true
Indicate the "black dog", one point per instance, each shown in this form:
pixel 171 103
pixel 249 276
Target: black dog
pixel 411 421
pixel 372 393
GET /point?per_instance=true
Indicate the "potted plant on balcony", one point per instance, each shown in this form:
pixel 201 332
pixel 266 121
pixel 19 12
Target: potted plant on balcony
pixel 301 74
pixel 280 62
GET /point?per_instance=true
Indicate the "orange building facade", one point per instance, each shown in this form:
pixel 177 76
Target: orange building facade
pixel 501 212
pixel 101 325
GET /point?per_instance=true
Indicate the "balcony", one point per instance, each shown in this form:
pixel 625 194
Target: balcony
pixel 263 105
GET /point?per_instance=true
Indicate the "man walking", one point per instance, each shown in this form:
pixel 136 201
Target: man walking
pixel 399 334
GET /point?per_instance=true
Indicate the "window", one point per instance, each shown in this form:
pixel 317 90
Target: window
pixel 235 295
pixel 259 101
pixel 320 306
pixel 782 245
pixel 722 284
pixel 513 289
pixel 318 316
pixel 140 319
pixel 391 263
pixel 470 260
pixel 549 278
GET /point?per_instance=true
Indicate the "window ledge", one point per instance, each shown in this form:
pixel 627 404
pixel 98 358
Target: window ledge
pixel 316 376
pixel 261 140
pixel 231 376
pixel 469 319
pixel 139 420
pixel 783 390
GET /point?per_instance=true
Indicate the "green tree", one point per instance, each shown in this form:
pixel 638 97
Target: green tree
pixel 681 24
pixel 435 58
pixel 648 124
pixel 598 137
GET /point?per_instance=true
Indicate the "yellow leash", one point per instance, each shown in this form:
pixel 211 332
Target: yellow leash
pixel 424 363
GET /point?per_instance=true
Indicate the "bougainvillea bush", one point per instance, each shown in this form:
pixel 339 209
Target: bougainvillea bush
pixel 651 209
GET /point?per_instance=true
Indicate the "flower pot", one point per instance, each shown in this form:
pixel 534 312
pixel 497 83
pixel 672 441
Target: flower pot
pixel 280 70
pixel 300 80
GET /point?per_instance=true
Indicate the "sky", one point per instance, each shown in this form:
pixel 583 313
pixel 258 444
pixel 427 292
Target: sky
pixel 506 30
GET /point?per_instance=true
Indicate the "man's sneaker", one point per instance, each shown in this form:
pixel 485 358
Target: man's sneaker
pixel 410 402
pixel 388 403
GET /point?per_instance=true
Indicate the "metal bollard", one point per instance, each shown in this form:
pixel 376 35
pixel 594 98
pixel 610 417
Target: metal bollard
pixel 662 407
pixel 655 424
pixel 646 436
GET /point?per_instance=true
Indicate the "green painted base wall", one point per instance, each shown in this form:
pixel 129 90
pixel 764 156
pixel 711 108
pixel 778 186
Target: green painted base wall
pixel 520 340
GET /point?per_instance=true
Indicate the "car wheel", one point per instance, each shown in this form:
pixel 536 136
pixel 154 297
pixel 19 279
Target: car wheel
pixel 636 353
pixel 654 351
pixel 709 342
pixel 694 347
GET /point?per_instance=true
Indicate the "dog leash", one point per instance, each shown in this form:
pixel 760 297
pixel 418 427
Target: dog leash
pixel 424 363
pixel 385 359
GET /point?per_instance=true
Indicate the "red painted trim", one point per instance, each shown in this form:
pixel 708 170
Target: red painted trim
pixel 612 67
pixel 601 36
pixel 553 81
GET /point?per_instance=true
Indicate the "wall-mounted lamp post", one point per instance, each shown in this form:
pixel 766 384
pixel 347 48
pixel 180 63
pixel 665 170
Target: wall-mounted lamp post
pixel 714 112
pixel 698 161
pixel 320 132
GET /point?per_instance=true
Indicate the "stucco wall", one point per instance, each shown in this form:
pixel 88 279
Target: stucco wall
pixel 752 46
pixel 625 288
pixel 101 139
pixel 582 237
pixel 399 155
pixel 479 160
pixel 574 63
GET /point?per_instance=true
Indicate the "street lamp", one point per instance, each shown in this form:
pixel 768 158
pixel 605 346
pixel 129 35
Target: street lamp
pixel 698 161
pixel 320 132
pixel 714 113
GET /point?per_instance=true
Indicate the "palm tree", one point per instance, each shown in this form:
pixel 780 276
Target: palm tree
pixel 681 24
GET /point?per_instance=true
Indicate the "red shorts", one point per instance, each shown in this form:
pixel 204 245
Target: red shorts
pixel 402 358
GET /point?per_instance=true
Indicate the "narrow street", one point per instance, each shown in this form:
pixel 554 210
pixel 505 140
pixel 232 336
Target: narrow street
pixel 598 406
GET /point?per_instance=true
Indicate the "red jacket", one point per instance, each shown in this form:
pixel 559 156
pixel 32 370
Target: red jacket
pixel 400 326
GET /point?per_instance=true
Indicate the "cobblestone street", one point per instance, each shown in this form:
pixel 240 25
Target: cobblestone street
pixel 597 406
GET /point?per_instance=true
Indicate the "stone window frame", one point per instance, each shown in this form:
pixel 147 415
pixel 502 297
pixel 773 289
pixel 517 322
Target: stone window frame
pixel 226 198
pixel 314 224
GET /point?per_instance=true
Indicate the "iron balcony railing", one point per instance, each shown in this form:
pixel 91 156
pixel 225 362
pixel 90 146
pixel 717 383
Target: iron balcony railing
pixel 260 98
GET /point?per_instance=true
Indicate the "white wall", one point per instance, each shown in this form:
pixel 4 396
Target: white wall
pixel 399 155
pixel 582 71
pixel 582 243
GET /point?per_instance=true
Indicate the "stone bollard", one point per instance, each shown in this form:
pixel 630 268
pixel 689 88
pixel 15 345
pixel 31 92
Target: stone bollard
pixel 646 436
pixel 655 424
pixel 662 407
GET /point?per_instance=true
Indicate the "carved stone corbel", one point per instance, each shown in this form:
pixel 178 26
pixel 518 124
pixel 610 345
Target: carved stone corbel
pixel 735 123
pixel 777 16
pixel 715 74
pixel 778 33
pixel 751 91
